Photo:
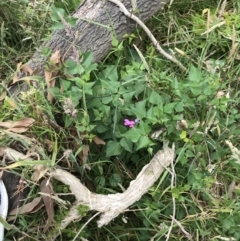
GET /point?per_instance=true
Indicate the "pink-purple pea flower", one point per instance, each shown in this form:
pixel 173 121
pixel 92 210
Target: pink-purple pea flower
pixel 130 123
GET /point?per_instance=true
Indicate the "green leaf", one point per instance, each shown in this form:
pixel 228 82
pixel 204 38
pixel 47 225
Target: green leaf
pixel 228 223
pixel 158 111
pixel 71 21
pixel 113 148
pixel 76 95
pixel 88 88
pixel 196 91
pixel 57 26
pixel 55 13
pixel 150 112
pixel 73 68
pixel 111 73
pixel 128 96
pixel 133 134
pixel 91 67
pixel 87 59
pixel 183 135
pixel 169 108
pixel 100 181
pixel 140 110
pixel 114 179
pixel 102 128
pixel 195 74
pixel 67 120
pixel 140 113
pixel 186 187
pixel 139 87
pixel 126 144
pixel 65 84
pixel 175 86
pixel 114 42
pixel 195 180
pixel 145 128
pixel 201 97
pixel 106 100
pixel 155 98
pixel 110 86
pixel 82 210
pixel 55 91
pixel 144 142
pixel 179 107
pixel 46 51
pixel 207 90
pixel 175 192
pixel 183 160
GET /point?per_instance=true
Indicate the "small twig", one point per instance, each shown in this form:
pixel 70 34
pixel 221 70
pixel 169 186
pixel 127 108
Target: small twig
pixel 212 28
pixel 188 235
pixel 173 184
pixel 89 220
pixel 148 32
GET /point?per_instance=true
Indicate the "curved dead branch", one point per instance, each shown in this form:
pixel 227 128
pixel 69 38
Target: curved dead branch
pixel 114 204
pixel 111 205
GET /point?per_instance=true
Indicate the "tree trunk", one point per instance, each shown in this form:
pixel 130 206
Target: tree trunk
pixel 98 21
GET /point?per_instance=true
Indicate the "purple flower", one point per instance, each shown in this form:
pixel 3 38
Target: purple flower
pixel 129 123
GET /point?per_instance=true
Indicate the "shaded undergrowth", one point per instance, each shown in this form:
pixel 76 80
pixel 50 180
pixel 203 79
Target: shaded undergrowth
pixel 198 111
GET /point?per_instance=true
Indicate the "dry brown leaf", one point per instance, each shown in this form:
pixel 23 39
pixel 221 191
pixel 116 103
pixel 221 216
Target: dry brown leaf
pixel 30 207
pixel 48 76
pixel 53 80
pixel 55 58
pixel 98 141
pixel 46 187
pixel 85 154
pixel 49 145
pixel 18 129
pixel 39 172
pixel 25 122
pixel 50 97
pixel 27 70
pixel 15 76
pixel 2 151
pixel 3 95
pixel 36 71
pixel 50 81
pixel 6 124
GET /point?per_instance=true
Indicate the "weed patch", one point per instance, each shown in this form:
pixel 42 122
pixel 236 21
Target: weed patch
pixel 103 122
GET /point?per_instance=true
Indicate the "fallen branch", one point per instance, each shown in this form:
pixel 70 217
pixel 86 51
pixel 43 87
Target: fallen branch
pixel 114 204
pixel 110 206
pixel 148 32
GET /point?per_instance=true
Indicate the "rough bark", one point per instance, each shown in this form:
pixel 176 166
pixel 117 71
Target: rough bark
pixel 97 22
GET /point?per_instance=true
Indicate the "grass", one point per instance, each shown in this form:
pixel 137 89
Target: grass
pixel 198 112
